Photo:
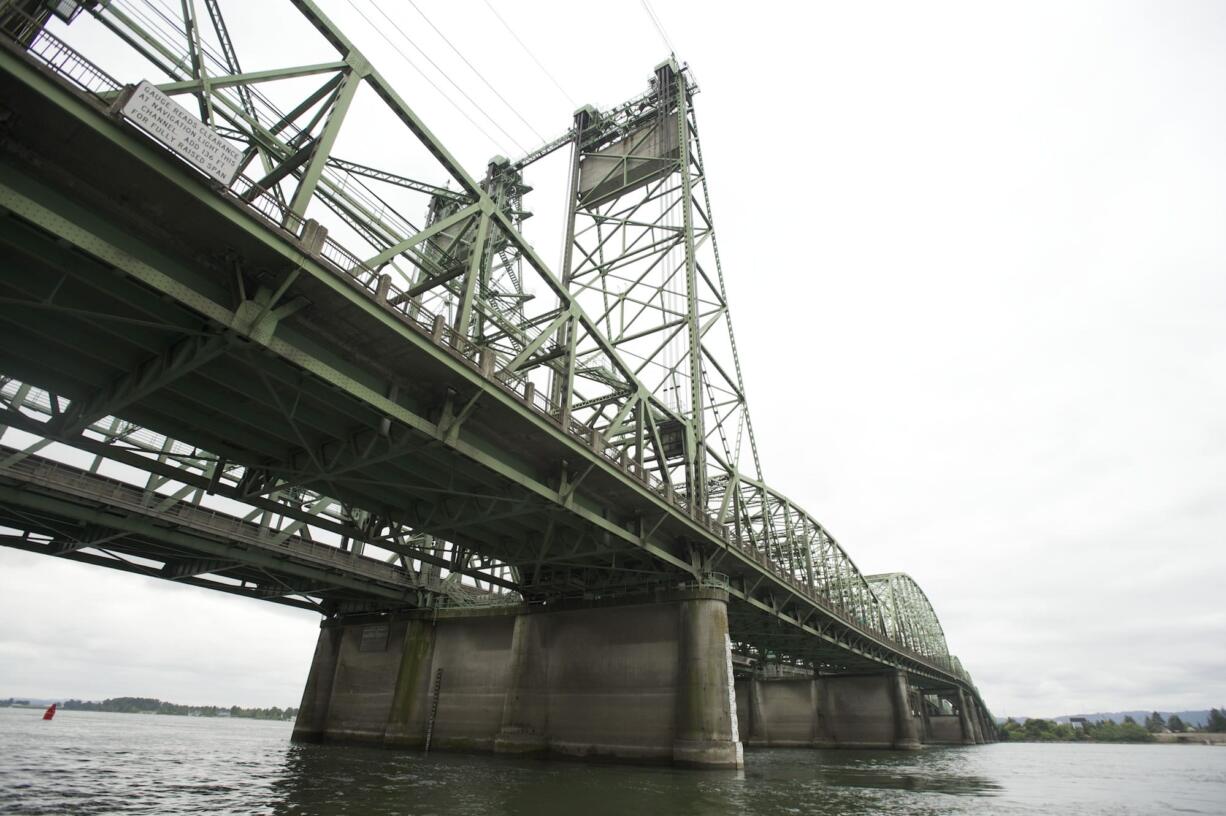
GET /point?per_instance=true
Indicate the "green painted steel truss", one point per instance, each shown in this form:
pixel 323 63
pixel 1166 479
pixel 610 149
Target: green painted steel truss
pixel 367 357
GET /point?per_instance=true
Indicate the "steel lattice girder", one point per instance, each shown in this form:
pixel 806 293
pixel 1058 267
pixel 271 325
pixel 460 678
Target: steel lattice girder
pixel 286 398
pixel 909 616
pixel 293 535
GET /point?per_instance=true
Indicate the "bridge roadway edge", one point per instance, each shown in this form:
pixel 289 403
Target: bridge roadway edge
pixel 796 611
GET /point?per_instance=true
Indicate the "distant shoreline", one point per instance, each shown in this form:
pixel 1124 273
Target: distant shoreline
pixel 1158 739
pixel 152 705
pixel 1191 738
pixel 152 713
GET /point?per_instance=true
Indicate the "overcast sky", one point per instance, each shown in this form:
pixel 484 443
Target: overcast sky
pixel 975 256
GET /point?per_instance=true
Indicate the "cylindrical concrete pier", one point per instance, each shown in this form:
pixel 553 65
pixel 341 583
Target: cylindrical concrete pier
pixel 964 719
pixel 906 735
pixel 707 733
pixel 973 711
pixel 985 725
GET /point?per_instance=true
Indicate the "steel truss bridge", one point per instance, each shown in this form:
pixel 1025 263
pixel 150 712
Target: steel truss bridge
pixel 344 381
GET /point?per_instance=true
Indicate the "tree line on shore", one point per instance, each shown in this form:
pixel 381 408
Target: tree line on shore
pixel 1039 730
pixel 150 705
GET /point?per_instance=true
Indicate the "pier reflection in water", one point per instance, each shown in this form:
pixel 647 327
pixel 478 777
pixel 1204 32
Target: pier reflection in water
pixel 93 763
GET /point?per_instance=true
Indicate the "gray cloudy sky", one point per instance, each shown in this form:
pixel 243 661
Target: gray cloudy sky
pixel 975 255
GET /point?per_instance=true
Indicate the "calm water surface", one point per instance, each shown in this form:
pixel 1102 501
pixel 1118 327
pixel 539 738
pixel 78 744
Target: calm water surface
pixel 94 763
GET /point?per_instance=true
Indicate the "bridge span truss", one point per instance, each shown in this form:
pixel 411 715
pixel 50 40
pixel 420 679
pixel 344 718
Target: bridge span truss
pixel 234 356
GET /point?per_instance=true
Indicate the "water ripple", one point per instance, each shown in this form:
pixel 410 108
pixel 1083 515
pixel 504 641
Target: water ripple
pixel 90 763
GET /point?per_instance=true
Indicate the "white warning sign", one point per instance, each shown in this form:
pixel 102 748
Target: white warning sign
pixel 182 132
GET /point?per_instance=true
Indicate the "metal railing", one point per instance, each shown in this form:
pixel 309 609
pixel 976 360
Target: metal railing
pixel 69 64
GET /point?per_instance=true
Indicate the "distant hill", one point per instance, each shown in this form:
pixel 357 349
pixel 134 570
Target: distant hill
pixel 1196 718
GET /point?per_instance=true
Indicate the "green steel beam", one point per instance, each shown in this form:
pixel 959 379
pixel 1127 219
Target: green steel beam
pixel 180 358
pixel 251 78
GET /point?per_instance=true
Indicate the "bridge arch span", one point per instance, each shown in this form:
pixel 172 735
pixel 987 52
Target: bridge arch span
pixel 910 619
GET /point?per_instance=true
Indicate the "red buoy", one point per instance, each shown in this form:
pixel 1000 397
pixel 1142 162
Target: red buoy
pixel 50 712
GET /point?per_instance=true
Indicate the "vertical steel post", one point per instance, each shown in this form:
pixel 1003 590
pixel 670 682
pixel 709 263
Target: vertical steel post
pixel 563 384
pixel 476 262
pixel 670 77
pixel 196 57
pixel 808 555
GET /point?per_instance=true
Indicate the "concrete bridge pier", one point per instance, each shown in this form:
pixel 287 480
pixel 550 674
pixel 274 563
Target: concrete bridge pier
pixel 941 728
pixel 923 726
pixel 313 711
pixel 853 711
pixel 783 712
pixel 986 729
pixel 647 682
pixel 976 721
pixel 870 711
pixel 967 717
pixel 908 725
pixel 944 720
pixel 708 734
pixel 525 708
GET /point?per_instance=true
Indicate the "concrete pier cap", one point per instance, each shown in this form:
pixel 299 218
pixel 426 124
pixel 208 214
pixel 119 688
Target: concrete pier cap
pixel 640 679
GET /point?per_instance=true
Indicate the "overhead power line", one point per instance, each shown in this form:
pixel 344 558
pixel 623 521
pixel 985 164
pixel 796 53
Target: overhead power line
pixel 480 76
pixel 528 51
pixel 447 76
pixel 428 80
pixel 659 27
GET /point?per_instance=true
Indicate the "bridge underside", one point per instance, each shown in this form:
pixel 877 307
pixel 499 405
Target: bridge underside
pixel 134 292
pixel 178 332
pixel 71 513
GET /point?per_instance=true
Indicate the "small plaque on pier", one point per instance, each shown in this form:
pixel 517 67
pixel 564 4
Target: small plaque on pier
pixel 177 128
pixel 374 638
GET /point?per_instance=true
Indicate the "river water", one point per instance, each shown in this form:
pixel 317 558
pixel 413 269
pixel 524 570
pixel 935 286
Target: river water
pixel 95 763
